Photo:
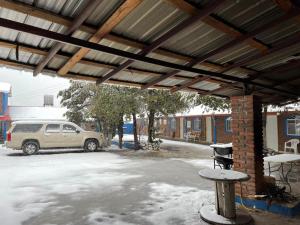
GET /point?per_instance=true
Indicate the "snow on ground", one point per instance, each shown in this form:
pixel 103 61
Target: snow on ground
pixel 176 204
pixel 129 137
pixel 199 163
pixel 31 184
pixel 100 218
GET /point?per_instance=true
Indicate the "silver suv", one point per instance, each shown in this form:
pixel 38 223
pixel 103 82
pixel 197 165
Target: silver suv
pixel 30 136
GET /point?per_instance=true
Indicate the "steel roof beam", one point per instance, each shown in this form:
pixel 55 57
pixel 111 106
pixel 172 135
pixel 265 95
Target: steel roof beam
pixel 162 39
pixel 63 55
pixel 85 44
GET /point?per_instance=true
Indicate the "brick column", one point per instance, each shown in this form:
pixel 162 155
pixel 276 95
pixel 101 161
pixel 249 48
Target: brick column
pixel 248 142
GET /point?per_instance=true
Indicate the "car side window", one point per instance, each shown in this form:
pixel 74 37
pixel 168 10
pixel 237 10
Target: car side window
pixel 67 128
pixel 53 128
pixel 27 128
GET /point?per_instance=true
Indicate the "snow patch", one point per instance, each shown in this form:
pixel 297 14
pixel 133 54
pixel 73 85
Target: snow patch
pixel 176 204
pixel 199 163
pixel 101 218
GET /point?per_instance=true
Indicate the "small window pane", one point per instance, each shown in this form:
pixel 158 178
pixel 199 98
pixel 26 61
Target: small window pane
pixel 69 128
pixel 228 123
pixel 173 124
pixel 197 124
pixel 52 128
pixel 27 128
pixel 293 127
pixel 188 124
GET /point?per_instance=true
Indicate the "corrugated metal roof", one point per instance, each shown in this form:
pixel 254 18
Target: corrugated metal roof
pixel 197 39
pixel 150 20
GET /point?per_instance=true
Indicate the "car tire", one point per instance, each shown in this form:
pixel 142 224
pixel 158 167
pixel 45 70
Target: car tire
pixel 91 145
pixel 30 147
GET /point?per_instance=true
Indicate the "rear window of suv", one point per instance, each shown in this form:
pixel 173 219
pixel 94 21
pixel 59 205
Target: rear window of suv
pixel 27 128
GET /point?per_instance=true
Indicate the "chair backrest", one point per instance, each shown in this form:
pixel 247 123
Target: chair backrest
pixel 294 142
pixel 223 151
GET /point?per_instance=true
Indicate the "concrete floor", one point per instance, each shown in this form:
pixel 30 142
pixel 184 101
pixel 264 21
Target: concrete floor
pixel 75 188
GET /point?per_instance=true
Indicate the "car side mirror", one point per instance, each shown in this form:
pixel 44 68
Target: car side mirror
pixel 77 131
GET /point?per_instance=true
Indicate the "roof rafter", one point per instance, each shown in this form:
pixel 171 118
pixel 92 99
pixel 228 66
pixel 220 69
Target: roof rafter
pixel 162 39
pixel 268 71
pixel 84 14
pixel 77 76
pixel 127 7
pixel 44 52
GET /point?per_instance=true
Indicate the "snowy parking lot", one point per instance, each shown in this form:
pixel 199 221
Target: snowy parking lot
pixel 71 187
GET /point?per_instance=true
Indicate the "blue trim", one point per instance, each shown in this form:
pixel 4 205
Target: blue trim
pixel 214 130
pixel 4 99
pixel 274 207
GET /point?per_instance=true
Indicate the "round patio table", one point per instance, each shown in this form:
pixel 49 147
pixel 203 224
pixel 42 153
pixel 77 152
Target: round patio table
pixel 224 211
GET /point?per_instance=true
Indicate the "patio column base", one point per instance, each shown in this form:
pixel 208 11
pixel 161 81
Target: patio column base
pixel 209 214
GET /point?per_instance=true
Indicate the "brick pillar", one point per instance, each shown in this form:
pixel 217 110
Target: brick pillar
pixel 248 142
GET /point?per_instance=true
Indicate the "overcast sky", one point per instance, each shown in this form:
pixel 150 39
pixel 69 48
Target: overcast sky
pixel 28 90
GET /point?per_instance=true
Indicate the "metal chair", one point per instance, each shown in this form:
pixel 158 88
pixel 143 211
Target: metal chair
pixel 291 145
pixel 220 159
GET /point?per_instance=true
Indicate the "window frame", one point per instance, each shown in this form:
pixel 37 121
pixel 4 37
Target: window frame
pixel 29 124
pixel 287 127
pixel 173 123
pixel 68 131
pixel 226 124
pixel 200 124
pixel 53 132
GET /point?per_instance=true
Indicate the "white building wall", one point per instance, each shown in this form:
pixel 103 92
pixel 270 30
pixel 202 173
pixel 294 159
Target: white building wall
pixel 272 132
pixel 181 128
pixel 208 129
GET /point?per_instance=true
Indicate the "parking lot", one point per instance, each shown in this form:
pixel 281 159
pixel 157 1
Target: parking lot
pixel 72 187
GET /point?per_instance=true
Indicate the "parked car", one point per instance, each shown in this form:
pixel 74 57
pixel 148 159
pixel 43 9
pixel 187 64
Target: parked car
pixel 31 136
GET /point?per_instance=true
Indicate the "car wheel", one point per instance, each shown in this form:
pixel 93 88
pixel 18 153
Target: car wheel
pixel 30 147
pixel 91 145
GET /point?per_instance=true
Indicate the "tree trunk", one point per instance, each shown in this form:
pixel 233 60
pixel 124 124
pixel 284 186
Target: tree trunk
pixel 151 126
pixel 135 136
pixel 120 132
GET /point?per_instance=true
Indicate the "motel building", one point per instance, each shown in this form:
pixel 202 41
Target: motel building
pixel 281 126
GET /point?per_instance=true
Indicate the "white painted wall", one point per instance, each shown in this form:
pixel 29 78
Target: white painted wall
pixel 272 132
pixel 208 129
pixel 181 128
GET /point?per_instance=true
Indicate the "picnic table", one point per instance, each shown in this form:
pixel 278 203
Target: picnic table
pixel 282 159
pixel 224 211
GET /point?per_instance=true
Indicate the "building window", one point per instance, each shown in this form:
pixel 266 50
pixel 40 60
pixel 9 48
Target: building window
pixel 48 100
pixel 188 124
pixel 293 126
pixel 228 124
pixel 197 124
pixel 173 124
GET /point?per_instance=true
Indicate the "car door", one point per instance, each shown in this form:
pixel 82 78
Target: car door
pixel 71 136
pixel 52 136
